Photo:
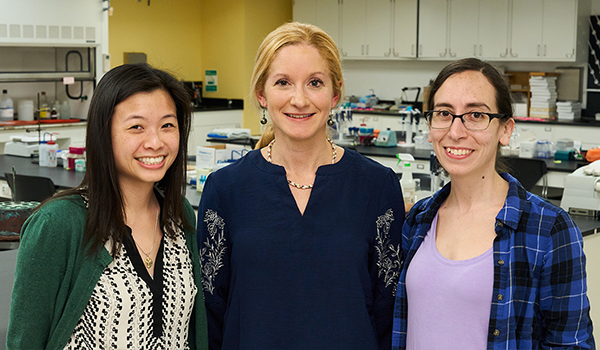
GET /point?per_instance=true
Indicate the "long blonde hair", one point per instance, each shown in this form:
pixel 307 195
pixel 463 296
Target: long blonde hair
pixel 291 34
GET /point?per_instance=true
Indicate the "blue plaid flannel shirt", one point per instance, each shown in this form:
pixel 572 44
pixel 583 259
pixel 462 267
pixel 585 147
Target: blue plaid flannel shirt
pixel 539 298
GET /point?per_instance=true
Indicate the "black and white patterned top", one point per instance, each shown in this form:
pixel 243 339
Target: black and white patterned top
pixel 129 309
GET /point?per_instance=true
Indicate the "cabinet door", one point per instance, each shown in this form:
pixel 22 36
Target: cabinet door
pixel 305 11
pixel 560 29
pixel 354 28
pixel 378 28
pixel 526 35
pixel 328 18
pixel 463 25
pixel 325 14
pixel 405 28
pixel 493 29
pixel 433 29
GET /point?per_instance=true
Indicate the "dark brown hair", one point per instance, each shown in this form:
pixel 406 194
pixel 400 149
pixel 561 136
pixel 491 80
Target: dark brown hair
pixel 493 75
pixel 100 183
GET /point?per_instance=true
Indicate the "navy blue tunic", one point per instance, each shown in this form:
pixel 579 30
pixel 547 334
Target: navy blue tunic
pixel 276 279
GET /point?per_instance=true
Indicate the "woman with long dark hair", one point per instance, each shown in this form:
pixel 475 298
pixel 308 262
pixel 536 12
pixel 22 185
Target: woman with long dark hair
pixel 487 265
pixel 113 263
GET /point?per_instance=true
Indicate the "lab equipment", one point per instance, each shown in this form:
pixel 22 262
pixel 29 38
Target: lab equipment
pixel 581 195
pixel 22 146
pixel 386 138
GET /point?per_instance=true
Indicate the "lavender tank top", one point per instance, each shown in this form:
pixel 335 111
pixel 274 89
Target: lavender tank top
pixel 449 301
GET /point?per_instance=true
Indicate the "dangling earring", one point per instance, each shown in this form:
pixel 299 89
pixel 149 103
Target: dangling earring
pixel 330 121
pixel 263 120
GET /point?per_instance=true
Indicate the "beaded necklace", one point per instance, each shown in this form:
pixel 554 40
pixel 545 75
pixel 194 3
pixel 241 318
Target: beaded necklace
pixel 290 182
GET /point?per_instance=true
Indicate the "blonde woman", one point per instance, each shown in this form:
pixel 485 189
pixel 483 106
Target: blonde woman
pixel 299 240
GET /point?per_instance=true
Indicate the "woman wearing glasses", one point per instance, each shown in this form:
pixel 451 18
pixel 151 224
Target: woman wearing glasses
pixel 487 264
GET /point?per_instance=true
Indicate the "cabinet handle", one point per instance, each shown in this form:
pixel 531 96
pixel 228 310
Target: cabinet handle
pixel 445 53
pixel 545 51
pixel 513 54
pixel 362 50
pixel 420 50
pixel 344 53
pixel 395 53
pixel 474 50
pixel 367 50
pixel 538 52
pixel 480 50
pixel 571 54
pixel 387 54
pixel 451 54
pixel 505 53
pixel 412 49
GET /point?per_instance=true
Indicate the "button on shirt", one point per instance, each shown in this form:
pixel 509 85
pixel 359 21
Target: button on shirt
pixel 539 278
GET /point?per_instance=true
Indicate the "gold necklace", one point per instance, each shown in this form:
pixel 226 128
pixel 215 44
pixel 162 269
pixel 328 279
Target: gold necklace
pixel 148 261
pixel 290 182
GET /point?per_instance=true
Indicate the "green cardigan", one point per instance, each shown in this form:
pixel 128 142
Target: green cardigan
pixel 54 278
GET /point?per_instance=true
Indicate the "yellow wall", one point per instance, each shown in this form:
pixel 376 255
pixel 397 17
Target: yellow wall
pixel 261 18
pixel 168 32
pixel 188 37
pixel 223 45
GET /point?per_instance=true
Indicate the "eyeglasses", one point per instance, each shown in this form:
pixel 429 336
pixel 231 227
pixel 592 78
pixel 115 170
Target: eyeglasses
pixel 471 120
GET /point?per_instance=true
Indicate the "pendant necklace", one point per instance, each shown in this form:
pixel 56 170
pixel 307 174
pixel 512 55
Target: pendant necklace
pixel 148 261
pixel 290 182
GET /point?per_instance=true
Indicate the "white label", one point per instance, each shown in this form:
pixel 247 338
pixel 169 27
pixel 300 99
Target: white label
pixel 7 112
pixel 68 80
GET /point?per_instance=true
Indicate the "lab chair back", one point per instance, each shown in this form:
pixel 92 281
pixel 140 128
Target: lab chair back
pixel 529 171
pixel 30 188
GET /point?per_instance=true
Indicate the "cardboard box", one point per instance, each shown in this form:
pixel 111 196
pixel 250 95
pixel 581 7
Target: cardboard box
pixel 208 156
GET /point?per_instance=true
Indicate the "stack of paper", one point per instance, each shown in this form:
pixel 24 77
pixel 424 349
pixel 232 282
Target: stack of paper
pixel 568 110
pixel 543 97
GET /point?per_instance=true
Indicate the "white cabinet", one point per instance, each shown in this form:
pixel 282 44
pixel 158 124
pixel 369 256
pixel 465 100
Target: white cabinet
pixel 493 29
pixel 366 28
pixel 503 29
pixel 405 28
pixel 553 30
pixel 433 29
pixel 325 14
pixel 448 30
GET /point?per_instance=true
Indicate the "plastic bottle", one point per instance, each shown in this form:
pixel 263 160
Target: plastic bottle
pixel 43 150
pixel 44 106
pixel 43 153
pixel 65 110
pixel 7 111
pixel 51 149
pixel 408 184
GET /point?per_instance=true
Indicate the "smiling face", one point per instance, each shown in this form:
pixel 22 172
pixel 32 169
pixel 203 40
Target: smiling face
pixel 462 151
pixel 298 93
pixel 145 137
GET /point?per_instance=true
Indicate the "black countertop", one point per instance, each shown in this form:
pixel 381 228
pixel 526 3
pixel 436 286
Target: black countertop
pixel 585 122
pixel 61 177
pixel 219 104
pixel 421 154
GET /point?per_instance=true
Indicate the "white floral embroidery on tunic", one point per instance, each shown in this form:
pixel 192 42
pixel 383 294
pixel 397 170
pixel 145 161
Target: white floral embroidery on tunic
pixel 388 256
pixel 214 249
